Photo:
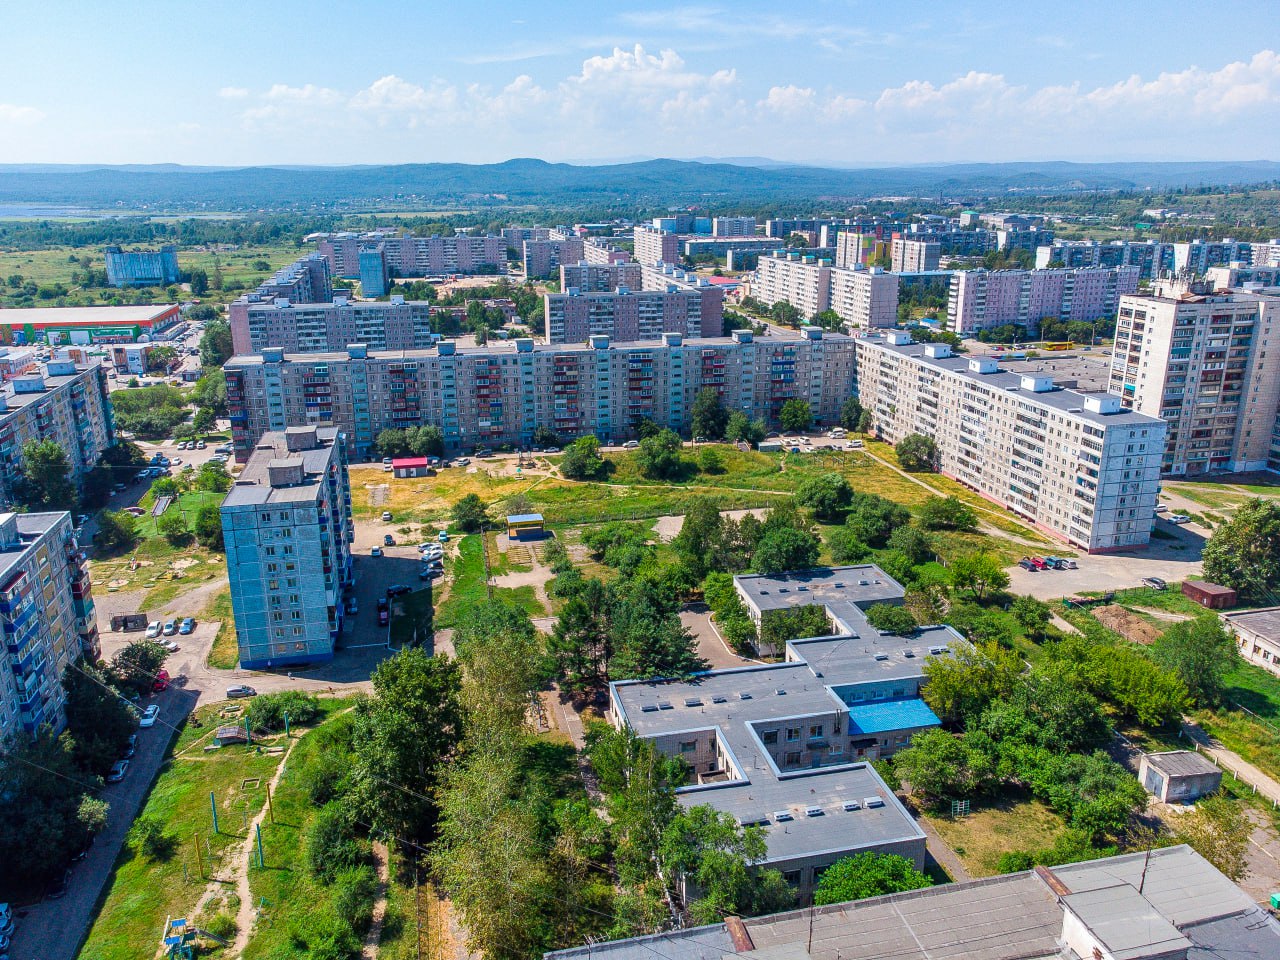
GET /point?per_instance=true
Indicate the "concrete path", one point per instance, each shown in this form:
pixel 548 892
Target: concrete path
pixel 942 853
pixel 1232 762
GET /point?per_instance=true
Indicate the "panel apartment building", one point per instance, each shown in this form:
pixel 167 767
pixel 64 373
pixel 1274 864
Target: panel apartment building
pixel 908 255
pixel 63 403
pixel 1078 466
pixel 863 297
pixel 653 245
pixel 1197 256
pixel 397 324
pixel 631 301
pixel 414 256
pixel 982 299
pixel 142 268
pixel 1197 359
pixel 46 608
pixel 1151 257
pixel 501 393
pixel 287 528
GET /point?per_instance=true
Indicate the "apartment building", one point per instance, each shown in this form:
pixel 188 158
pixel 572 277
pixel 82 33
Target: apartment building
pixel 375 275
pixel 866 298
pixel 1078 466
pixel 516 236
pixel 1023 238
pixel 981 299
pixel 624 315
pixel 1151 257
pixel 1199 255
pixel 46 608
pixel 653 245
pixel 804 281
pixel 858 249
pixel 287 528
pixel 602 252
pixel 395 324
pixel 786 746
pixel 1197 360
pixel 1238 276
pixel 501 393
pixel 601 277
pixel 914 256
pixel 308 279
pixel 142 268
pixel 542 258
pixel 63 403
pixel 414 256
pixel 1266 254
pixel 733 226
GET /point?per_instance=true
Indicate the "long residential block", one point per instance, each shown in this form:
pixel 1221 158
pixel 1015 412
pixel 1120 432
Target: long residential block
pixel 501 393
pixel 415 256
pixel 287 528
pixel 1078 466
pixel 1151 257
pixel 864 297
pixel 981 299
pixel 46 609
pixel 397 324
pixel 142 268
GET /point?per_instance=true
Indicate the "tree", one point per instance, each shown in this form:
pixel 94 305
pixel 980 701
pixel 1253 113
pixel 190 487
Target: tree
pixel 401 737
pixel 963 683
pixel 1219 830
pixel 795 415
pixel 710 461
pixel 851 413
pixel 846 546
pixel 582 460
pixel 470 513
pixel 215 343
pixel 1032 615
pixel 208 528
pixel 741 428
pixel 980 573
pixel 117 531
pixel 659 456
pixel 204 421
pixel 212 477
pixel 946 513
pixel 581 643
pixel 873 519
pixel 912 543
pixel 941 767
pixel 700 535
pixel 708 417
pixel 1244 552
pixel 785 549
pixel 888 618
pixel 778 627
pixel 46 482
pixel 172 525
pixel 544 436
pixel 868 875
pixel 135 667
pixel 828 495
pixel 917 452
pixel 98 720
pixel 1202 653
pixel 160 359
pixel 199 280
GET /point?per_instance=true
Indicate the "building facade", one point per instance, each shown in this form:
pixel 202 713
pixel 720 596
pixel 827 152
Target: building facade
pixel 733 226
pixel 623 315
pixel 501 393
pixel 600 277
pixel 375 278
pixel 1077 466
pixel 395 324
pixel 1197 360
pixel 415 256
pixel 982 299
pixel 46 608
pixel 653 245
pixel 287 528
pixel 542 258
pixel 1151 257
pixel 1198 256
pixel 908 255
pixel 142 268
pixel 866 298
pixel 86 325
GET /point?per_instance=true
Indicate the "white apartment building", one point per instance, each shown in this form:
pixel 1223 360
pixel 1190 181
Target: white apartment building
pixel 733 226
pixel 287 528
pixel 1266 254
pixel 600 277
pixel 1198 361
pixel 982 299
pixel 865 298
pixel 853 248
pixel 1078 466
pixel 1199 255
pixel 802 280
pixel 914 256
pixel 656 246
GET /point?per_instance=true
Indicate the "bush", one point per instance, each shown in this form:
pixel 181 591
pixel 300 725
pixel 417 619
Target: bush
pixel 322 935
pixel 267 712
pixel 888 618
pixel 946 513
pixel 150 839
pixel 470 513
pixel 354 891
pixel 582 460
pixel 220 925
pixel 710 461
pixel 332 844
pixel 916 452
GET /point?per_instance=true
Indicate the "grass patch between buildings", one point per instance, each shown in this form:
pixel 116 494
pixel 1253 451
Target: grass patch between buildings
pixel 997 827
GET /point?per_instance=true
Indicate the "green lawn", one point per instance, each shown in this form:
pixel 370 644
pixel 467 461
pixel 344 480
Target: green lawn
pixel 225 652
pixel 997 827
pixel 468 587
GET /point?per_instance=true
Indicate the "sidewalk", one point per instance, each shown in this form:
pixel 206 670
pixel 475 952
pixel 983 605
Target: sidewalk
pixel 1232 763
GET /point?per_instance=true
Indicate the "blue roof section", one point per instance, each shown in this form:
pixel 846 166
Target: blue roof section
pixel 525 518
pixel 891 715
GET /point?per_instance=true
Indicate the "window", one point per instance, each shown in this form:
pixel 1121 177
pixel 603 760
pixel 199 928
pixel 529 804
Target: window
pixel 792 877
pixel 688 746
pixel 769 736
pixel 815 731
pixel 793 734
pixel 792 758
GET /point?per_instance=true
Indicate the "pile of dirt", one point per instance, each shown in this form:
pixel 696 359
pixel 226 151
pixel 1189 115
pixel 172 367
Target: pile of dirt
pixel 1126 623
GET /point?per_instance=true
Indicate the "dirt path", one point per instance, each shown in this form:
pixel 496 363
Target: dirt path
pixel 382 857
pixel 1232 762
pixel 246 913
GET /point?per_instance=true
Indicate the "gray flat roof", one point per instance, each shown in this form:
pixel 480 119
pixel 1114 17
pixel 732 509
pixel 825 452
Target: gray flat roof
pixel 16 401
pixel 106 314
pixel 1264 621
pixel 1181 763
pixel 1061 399
pixel 844 591
pixel 253 486
pixel 31 526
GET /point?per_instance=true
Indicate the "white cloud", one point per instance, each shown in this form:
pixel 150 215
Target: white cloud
pixel 788 99
pixel 11 114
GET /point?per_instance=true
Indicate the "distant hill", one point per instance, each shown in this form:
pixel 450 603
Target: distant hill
pixel 529 181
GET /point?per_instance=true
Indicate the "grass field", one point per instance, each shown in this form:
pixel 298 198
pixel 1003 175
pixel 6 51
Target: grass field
pixel 225 652
pixel 142 892
pixel 467 587
pixel 996 828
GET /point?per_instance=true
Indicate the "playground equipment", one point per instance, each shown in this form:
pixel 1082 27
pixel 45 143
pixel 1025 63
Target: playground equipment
pixel 180 939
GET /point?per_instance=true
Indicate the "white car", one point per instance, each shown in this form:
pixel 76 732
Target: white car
pixel 149 715
pixel 1179 518
pixel 153 629
pixel 169 645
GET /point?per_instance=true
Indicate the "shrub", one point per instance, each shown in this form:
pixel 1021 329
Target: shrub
pixel 151 840
pixel 267 712
pixel 354 891
pixel 888 618
pixel 323 935
pixel 332 844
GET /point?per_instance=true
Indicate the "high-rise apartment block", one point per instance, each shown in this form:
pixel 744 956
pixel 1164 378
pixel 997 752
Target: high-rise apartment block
pixel 46 608
pixel 1076 465
pixel 516 236
pixel 1266 254
pixel 862 297
pixel 601 277
pixel 142 268
pixel 415 256
pixel 375 276
pixel 1199 255
pixel 306 280
pixel 397 324
pixel 501 393
pixel 733 226
pixel 914 256
pixel 866 298
pixel 1151 257
pixel 858 249
pixel 1198 360
pixel 63 403
pixel 981 299
pixel 287 528
pixel 653 245
pixel 1238 275
pixel 622 314
pixel 542 258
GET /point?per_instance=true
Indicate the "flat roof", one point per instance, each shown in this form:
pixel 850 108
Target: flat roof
pixel 253 486
pixel 52 382
pixel 409 462
pixel 891 715
pixel 30 527
pixel 525 518
pixel 1265 621
pixel 845 591
pixel 1213 589
pixel 109 314
pixel 1181 763
pixel 1058 398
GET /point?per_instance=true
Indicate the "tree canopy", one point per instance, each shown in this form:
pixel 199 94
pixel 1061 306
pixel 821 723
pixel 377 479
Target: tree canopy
pixel 868 875
pixel 916 452
pixel 1244 552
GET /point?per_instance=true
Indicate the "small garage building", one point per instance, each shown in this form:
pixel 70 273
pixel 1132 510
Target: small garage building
pixel 1211 595
pixel 1178 776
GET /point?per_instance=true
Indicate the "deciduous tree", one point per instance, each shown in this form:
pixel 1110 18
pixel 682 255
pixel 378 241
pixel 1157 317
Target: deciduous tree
pixel 868 875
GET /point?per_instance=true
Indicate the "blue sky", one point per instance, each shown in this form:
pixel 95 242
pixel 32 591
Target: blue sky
pixel 836 81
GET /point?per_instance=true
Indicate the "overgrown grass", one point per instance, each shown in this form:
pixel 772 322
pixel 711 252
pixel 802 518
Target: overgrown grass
pixel 225 652
pixel 468 587
pixel 996 827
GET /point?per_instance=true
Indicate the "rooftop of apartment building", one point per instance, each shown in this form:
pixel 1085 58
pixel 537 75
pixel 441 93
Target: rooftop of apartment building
pixel 1166 903
pixel 1101 408
pixel 17 532
pixel 28 388
pixel 285 467
pixel 1087 373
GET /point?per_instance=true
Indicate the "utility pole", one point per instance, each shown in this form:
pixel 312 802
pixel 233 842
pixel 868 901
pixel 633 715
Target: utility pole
pixel 213 805
pixel 199 858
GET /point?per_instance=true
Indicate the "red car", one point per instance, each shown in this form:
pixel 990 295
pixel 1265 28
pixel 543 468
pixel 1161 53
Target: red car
pixel 162 682
pixel 1039 563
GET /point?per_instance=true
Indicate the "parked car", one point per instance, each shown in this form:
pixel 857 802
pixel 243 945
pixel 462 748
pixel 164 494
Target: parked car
pixel 188 624
pixel 375 552
pixel 241 691
pixel 117 771
pixel 1154 582
pixel 699 439
pixel 170 628
pixel 1067 564
pixel 1053 563
pixel 382 604
pixel 631 445
pixel 388 540
pixel 1179 518
pixel 383 618
pixel 59 888
pixel 161 682
pixel 443 536
pixel 153 629
pixel 430 546
pixel 386 516
pixel 131 747
pixel 149 715
pixel 463 461
pixel 201 445
pixel 1039 563
pixel 397 589
pixel 1162 508
pixel 168 645
pixel 1026 564
pixel 855 444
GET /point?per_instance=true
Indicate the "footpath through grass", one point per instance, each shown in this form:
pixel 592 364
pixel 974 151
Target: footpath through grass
pixel 468 587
